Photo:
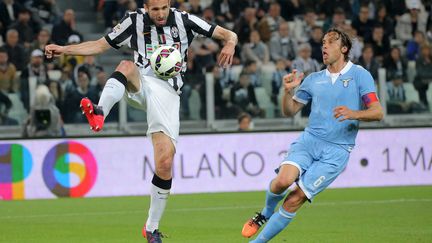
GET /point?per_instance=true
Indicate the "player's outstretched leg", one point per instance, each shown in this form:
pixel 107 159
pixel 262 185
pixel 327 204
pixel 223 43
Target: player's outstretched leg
pixel 93 113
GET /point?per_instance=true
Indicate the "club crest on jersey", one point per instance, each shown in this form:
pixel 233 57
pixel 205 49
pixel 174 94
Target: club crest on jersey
pixel 174 32
pixel 346 82
pixel 116 28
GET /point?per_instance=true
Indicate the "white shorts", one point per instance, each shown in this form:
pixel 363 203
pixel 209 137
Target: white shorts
pixel 161 102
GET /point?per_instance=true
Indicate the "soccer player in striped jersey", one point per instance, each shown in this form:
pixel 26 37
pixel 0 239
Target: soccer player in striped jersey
pixel 341 96
pixel 143 31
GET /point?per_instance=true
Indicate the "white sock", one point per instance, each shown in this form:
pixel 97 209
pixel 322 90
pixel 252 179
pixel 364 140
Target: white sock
pixel 111 94
pixel 158 201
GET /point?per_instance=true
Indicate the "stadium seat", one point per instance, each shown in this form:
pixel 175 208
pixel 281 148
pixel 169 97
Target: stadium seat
pixel 194 105
pixel 235 72
pixel 411 71
pixel 411 93
pixel 266 76
pixel 17 111
pixel 429 97
pixel 264 101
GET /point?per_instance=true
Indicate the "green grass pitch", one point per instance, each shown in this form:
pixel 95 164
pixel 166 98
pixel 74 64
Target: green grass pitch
pixel 392 214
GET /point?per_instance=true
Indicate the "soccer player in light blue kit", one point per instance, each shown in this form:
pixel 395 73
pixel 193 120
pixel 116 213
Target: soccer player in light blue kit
pixel 341 96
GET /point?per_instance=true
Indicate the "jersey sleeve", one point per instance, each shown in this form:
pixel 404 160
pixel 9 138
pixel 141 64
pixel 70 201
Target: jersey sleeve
pixel 121 34
pixel 367 88
pixel 198 25
pixel 304 92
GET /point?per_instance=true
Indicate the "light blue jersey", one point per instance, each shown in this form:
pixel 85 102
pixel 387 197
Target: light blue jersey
pixel 352 83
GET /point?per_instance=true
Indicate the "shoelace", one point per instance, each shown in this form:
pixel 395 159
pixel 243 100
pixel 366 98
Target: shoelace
pixel 259 219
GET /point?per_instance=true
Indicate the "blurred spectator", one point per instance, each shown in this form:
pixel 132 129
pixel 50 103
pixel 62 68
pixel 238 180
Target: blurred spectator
pixel 246 24
pixel 205 50
pixel 9 10
pixel 277 80
pixel 357 44
pixel 282 46
pixel 268 26
pixel 24 27
pixel 45 119
pixel 424 73
pixel 337 20
pixel 243 97
pixel 195 7
pixel 223 10
pixel 413 46
pixel 16 52
pixel 369 62
pixel 7 72
pixel 253 71
pixel 330 7
pixel 70 62
pixel 244 122
pixel 292 9
pixel 5 105
pixel 72 99
pixel 109 10
pixel 395 7
pixel 303 27
pixel 219 101
pixel 57 93
pixel 255 50
pixel 303 62
pixel 42 40
pixel 408 23
pixel 47 10
pixel 363 24
pixel 89 63
pixel 383 19
pixel 316 43
pixel 395 64
pixel 35 69
pixel 397 102
pixel 380 43
pixel 63 30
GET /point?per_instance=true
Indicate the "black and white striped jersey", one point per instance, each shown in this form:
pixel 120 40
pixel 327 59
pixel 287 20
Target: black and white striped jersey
pixel 138 32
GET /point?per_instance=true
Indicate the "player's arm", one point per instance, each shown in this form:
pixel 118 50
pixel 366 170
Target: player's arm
pixel 88 48
pixel 227 52
pixel 290 106
pixel 373 112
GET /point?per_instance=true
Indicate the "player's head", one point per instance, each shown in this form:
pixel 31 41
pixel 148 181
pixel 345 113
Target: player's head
pixel 158 10
pixel 336 45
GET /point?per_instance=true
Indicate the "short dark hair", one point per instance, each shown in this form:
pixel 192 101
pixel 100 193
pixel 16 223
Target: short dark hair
pixel 345 40
pixel 3 50
pixel 243 115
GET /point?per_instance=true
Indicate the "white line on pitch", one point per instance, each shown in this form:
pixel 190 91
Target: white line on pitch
pixel 402 200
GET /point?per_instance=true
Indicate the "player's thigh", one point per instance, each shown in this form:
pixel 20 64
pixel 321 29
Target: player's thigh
pixel 163 147
pixel 324 171
pixel 286 176
pixel 299 154
pixel 130 71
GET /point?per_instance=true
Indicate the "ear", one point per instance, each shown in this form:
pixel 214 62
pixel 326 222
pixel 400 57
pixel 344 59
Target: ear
pixel 344 49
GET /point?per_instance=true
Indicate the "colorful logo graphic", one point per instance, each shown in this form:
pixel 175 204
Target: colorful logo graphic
pixel 69 169
pixel 15 165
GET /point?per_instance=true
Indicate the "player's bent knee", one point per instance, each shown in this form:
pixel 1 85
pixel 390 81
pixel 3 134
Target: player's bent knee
pixel 127 68
pixel 282 183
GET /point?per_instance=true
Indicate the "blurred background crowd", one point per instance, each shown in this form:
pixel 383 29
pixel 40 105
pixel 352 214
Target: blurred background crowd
pixel 275 37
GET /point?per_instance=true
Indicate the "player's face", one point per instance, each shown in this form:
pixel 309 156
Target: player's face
pixel 331 48
pixel 158 11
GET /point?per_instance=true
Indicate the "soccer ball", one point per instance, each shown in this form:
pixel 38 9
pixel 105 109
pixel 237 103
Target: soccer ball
pixel 166 62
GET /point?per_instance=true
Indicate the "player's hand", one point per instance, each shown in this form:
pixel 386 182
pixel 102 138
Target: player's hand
pixel 343 113
pixel 292 80
pixel 53 50
pixel 226 56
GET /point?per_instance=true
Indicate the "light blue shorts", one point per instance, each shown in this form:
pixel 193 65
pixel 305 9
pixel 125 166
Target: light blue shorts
pixel 318 161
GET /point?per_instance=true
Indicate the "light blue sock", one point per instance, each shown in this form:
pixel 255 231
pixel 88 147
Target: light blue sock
pixel 271 202
pixel 278 221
